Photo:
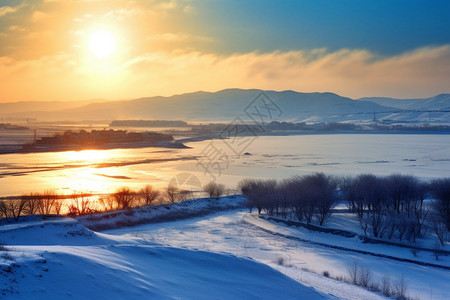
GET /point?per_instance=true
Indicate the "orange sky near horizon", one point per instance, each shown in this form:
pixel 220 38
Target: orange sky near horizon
pixel 51 50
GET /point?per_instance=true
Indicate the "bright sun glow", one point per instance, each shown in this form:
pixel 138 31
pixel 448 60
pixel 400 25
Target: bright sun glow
pixel 102 43
pixel 87 156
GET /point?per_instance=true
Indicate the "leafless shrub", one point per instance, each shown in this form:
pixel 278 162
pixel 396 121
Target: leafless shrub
pixel 386 286
pixel 365 277
pixel 359 275
pixel 400 287
pixel 437 250
pixel 80 205
pixel 415 251
pixel 4 252
pixel 148 195
pixel 6 256
pixel 3 247
pixel 280 261
pixel 353 271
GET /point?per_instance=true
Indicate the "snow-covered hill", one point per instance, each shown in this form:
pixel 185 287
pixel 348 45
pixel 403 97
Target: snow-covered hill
pixel 225 105
pixel 226 254
pixel 439 102
pixel 222 106
pixel 58 258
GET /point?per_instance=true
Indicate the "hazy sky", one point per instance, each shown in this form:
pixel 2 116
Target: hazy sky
pixel 117 49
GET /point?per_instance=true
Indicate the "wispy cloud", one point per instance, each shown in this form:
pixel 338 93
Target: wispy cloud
pixel 353 73
pixel 4 10
pixel 176 37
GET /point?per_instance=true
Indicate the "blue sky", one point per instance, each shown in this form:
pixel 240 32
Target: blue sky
pixel 384 26
pixel 355 48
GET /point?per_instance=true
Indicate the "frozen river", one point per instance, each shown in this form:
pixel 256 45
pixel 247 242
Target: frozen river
pixel 227 161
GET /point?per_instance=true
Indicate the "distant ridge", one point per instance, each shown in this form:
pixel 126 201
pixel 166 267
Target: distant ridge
pixel 437 102
pixel 226 105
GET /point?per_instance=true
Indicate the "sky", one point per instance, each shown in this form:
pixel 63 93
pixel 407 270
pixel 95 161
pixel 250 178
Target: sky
pixel 122 49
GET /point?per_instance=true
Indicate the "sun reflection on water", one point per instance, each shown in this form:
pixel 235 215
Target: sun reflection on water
pixel 86 179
pixel 88 156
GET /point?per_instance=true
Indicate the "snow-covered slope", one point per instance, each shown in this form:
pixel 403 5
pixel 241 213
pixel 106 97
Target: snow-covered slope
pixel 221 106
pixel 226 254
pixel 441 101
pixel 57 258
pixel 225 105
pixel 301 254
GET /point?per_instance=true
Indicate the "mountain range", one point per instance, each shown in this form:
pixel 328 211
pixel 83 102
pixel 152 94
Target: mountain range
pixel 225 105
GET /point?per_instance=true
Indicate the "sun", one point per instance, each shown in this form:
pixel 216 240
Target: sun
pixel 102 43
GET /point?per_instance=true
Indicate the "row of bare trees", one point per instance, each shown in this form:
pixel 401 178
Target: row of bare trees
pixel 305 197
pixel 394 206
pixel 387 206
pixel 78 204
pixel 34 203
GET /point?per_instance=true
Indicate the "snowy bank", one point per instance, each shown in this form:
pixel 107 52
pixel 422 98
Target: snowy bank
pixel 58 258
pixel 161 213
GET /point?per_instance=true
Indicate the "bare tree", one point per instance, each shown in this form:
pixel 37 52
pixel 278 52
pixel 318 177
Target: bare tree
pixel 13 208
pixel 295 189
pixel 57 206
pixel 124 198
pixel 440 190
pixel 32 203
pixel 46 202
pixel 419 211
pixel 439 228
pixel 283 197
pixel 326 198
pixel 214 190
pixel 402 190
pixel 174 194
pixel 3 209
pixel 149 195
pixel 171 193
pixel 259 193
pixel 107 202
pixel 352 194
pixel 245 186
pixel 314 195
